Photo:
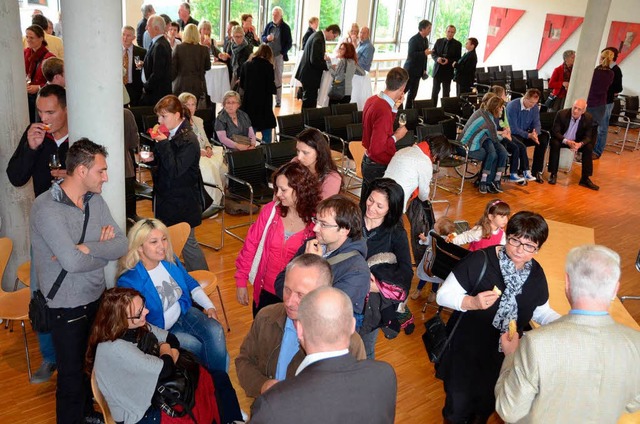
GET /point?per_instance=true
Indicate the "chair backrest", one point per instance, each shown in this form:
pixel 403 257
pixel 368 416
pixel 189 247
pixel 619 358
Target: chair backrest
pixel 499 76
pixel 411 117
pixel 247 165
pixel 433 115
pixel 492 69
pixel 357 116
pixel 6 247
pixel 423 104
pixel 506 68
pixel 517 75
pixel 546 120
pixel 290 125
pixel 518 86
pixel 631 106
pixel 451 105
pixel 207 118
pixel 483 78
pixel 425 132
pixel 445 256
pixel 407 141
pixel 178 235
pixel 449 128
pixel 102 403
pixel 336 125
pixel 532 74
pixel 342 108
pixel 354 132
pixel 481 70
pixel 536 83
pixel 314 116
pixel 277 154
pixel 615 112
pixel 148 121
pixel 139 112
pixel 357 151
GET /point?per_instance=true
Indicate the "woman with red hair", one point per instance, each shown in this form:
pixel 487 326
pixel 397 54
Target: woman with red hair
pixel 343 73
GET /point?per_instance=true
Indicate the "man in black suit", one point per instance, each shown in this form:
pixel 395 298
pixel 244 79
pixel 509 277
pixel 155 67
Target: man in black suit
pixel 313 64
pixel 132 75
pixel 330 385
pixel 573 128
pixel 446 51
pixel 465 68
pixel 156 77
pixel 416 63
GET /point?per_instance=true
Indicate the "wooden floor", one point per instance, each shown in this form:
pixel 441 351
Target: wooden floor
pixel 613 212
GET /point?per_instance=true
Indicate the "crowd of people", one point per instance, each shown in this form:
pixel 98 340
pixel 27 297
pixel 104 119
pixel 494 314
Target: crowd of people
pixel 326 273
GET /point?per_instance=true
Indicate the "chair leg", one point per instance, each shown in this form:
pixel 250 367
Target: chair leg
pixel 218 248
pixel 26 349
pixel 224 311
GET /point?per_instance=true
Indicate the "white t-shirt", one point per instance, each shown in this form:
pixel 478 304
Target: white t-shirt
pixel 169 292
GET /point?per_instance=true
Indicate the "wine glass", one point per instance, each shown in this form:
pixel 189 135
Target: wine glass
pixel 54 163
pixel 402 119
pixel 145 151
pixel 138 62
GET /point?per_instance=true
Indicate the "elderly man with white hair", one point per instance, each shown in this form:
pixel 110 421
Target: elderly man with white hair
pixel 156 71
pixel 584 366
pixel 277 35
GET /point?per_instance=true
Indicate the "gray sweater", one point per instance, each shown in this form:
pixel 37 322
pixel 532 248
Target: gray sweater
pixel 56 226
pixel 127 377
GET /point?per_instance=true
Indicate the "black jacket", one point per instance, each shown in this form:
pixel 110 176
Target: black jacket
pixel 157 70
pixel 416 62
pixel 27 163
pixel 257 81
pixel 312 63
pixel 177 183
pixel 465 70
pixel 451 50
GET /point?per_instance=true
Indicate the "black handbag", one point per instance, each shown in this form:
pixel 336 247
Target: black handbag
pixel 39 315
pixel 435 337
pixel 337 91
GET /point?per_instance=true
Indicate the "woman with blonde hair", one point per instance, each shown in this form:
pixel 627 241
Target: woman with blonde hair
pixel 212 167
pixel 151 268
pixel 189 62
pixel 257 80
pixel 233 126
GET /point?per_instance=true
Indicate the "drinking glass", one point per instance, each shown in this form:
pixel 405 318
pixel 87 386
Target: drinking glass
pixel 402 119
pixel 54 163
pixel 145 152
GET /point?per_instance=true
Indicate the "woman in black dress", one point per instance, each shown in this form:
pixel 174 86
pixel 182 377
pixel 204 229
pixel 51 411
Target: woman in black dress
pixel 257 82
pixel 471 364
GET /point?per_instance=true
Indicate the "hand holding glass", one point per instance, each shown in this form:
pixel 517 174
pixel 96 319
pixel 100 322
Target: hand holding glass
pixel 145 152
pixel 402 119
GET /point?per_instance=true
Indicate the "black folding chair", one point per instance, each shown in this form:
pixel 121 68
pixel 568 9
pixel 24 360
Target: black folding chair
pixel 289 126
pixel 343 108
pixel 423 104
pixel 277 154
pixel 314 117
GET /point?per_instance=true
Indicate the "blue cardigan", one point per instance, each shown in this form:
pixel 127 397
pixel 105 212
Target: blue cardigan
pixel 138 278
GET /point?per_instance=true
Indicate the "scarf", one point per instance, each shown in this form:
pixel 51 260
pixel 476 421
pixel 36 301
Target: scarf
pixel 235 51
pixel 34 59
pixel 514 280
pixel 424 146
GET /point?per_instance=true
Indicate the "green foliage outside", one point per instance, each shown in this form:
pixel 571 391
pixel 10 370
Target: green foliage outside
pixel 209 10
pixel 331 13
pixel 452 12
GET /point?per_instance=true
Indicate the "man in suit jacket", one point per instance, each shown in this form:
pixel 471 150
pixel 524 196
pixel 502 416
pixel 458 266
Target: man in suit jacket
pixel 330 386
pixel 465 69
pixel 416 63
pixel 156 76
pixel 132 75
pixel 446 51
pixel 573 128
pixel 582 367
pixel 313 64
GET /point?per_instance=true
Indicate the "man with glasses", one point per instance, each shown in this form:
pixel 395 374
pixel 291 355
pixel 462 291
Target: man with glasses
pixel 271 351
pixel 338 228
pixel 73 237
pixel 524 120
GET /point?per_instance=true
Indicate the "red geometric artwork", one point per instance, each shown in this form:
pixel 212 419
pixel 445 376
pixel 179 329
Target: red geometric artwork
pixel 557 28
pixel 501 20
pixel 625 36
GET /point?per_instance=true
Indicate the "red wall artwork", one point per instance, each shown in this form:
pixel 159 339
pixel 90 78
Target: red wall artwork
pixel 501 20
pixel 625 36
pixel 557 28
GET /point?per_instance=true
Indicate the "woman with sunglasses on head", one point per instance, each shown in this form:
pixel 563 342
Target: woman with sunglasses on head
pixel 124 347
pixel 512 288
pixel 152 268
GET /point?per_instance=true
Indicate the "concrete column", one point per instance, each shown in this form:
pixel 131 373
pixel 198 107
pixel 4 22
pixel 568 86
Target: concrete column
pixel 588 51
pixel 15 203
pixel 93 74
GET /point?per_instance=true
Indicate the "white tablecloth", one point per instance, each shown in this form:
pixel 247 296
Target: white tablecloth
pixel 217 79
pixel 360 89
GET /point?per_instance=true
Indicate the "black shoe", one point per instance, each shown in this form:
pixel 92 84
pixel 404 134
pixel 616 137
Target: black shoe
pixel 44 373
pixel 552 179
pixel 495 188
pixel 586 182
pixel 539 178
pixel 482 188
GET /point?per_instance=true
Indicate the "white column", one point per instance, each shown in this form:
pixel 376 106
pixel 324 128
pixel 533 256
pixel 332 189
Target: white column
pixel 588 51
pixel 15 203
pixel 93 75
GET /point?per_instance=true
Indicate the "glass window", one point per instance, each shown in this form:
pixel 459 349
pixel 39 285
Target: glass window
pixel 289 8
pixel 331 13
pixel 239 7
pixel 209 10
pixel 452 12
pixel 386 21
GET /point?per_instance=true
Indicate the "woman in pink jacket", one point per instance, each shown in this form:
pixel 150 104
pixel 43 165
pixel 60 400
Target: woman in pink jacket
pixel 284 224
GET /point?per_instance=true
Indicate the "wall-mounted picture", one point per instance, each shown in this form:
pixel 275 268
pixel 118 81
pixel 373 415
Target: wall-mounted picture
pixel 501 20
pixel 557 29
pixel 625 36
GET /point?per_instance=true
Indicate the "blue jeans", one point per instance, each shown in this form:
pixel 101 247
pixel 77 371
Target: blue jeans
pixel 369 341
pixel 266 135
pixel 44 339
pixel 494 156
pixel 603 129
pixel 204 337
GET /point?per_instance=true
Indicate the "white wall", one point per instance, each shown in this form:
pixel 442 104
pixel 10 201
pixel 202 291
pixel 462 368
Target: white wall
pixel 521 46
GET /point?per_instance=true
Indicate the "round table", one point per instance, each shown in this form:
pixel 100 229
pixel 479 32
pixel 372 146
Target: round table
pixel 217 79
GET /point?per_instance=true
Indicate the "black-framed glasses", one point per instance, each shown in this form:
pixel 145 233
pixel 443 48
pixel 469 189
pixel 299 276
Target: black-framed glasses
pixel 144 303
pixel 527 247
pixel 323 224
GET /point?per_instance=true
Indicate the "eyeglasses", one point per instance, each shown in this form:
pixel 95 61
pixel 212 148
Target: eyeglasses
pixel 139 313
pixel 527 247
pixel 323 224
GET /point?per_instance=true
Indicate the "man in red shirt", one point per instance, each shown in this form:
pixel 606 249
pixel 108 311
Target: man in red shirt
pixel 378 136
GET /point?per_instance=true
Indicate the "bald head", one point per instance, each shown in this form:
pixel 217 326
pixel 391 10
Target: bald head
pixel 325 320
pixel 304 274
pixel 364 33
pixel 579 108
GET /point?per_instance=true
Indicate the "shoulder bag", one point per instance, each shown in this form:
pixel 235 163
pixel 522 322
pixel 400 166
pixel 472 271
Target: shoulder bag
pixel 38 309
pixel 260 249
pixel 435 337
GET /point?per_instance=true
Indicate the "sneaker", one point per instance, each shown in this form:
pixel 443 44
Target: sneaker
pixel 482 188
pixel 44 373
pixel 415 294
pixel 495 187
pixel 515 178
pixel 529 176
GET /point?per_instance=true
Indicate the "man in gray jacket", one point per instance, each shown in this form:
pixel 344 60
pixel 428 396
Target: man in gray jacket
pixel 70 257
